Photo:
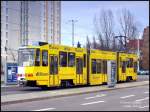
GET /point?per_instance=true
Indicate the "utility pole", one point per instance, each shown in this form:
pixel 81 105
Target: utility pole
pixel 138 53
pixel 73 21
pixel 46 21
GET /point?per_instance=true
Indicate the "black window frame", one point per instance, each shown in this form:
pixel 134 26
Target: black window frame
pixel 93 66
pixel 37 57
pixel 84 60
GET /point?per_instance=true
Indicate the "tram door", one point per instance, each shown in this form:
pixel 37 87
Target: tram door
pixel 123 70
pixel 54 81
pixel 79 70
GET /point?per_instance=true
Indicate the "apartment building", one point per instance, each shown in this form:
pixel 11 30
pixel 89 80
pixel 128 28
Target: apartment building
pixel 23 22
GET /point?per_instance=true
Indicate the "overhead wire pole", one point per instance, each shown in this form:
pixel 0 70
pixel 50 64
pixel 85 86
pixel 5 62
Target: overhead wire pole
pixel 46 20
pixel 73 21
pixel 138 53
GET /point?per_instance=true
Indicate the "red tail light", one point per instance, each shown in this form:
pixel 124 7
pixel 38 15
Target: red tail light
pixel 30 75
pixel 19 75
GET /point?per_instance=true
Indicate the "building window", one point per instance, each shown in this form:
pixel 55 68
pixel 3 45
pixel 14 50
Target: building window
pixel 6 26
pixel 6 34
pixel 6 42
pixel 63 59
pixel 6 11
pixel 6 2
pixel 6 18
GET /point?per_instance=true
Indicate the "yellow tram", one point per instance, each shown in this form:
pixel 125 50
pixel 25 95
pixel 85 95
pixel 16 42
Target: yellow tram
pixel 49 65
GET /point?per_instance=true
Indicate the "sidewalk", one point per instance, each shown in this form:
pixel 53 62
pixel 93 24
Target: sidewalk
pixel 17 98
pixel 9 85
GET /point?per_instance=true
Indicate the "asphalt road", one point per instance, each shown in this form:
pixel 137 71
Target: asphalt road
pixel 20 90
pixel 126 99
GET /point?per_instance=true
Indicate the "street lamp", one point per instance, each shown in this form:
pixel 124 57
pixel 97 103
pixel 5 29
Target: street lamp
pixel 73 21
pixel 138 53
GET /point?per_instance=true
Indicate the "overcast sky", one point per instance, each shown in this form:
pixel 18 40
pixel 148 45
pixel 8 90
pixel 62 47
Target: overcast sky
pixel 84 12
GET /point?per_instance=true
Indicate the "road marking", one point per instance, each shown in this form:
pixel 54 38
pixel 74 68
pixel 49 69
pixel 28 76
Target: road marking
pixel 143 99
pixel 92 103
pixel 127 96
pixel 96 96
pixel 146 92
pixel 44 109
pixel 144 106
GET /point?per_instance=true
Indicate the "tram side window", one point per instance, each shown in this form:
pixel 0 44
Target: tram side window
pixel 131 62
pixel 37 60
pixel 93 66
pixel 105 67
pixel 84 60
pixel 71 59
pixel 120 62
pixel 98 66
pixel 44 58
pixel 123 67
pixel 128 63
pixel 79 66
pixel 135 66
pixel 63 59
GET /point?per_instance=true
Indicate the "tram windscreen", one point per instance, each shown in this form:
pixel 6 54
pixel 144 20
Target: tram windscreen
pixel 26 57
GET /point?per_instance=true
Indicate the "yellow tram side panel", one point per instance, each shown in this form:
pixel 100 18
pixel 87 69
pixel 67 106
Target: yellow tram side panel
pixel 65 73
pixel 96 79
pixel 130 71
pixel 42 72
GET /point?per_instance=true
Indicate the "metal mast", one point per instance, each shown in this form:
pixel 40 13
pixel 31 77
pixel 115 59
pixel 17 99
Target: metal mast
pixel 73 21
pixel 46 21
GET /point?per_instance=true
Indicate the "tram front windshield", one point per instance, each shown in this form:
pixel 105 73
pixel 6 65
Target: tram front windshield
pixel 26 57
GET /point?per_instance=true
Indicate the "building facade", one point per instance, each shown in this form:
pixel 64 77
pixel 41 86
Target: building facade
pixel 23 22
pixel 145 49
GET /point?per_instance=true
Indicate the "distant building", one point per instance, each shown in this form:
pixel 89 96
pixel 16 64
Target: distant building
pixel 145 49
pixel 23 22
pixel 133 45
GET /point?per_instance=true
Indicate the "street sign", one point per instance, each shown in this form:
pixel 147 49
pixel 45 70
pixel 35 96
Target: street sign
pixel 11 73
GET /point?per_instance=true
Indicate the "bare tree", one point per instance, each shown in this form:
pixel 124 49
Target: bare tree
pixel 101 42
pixel 104 26
pixel 129 26
pixel 94 43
